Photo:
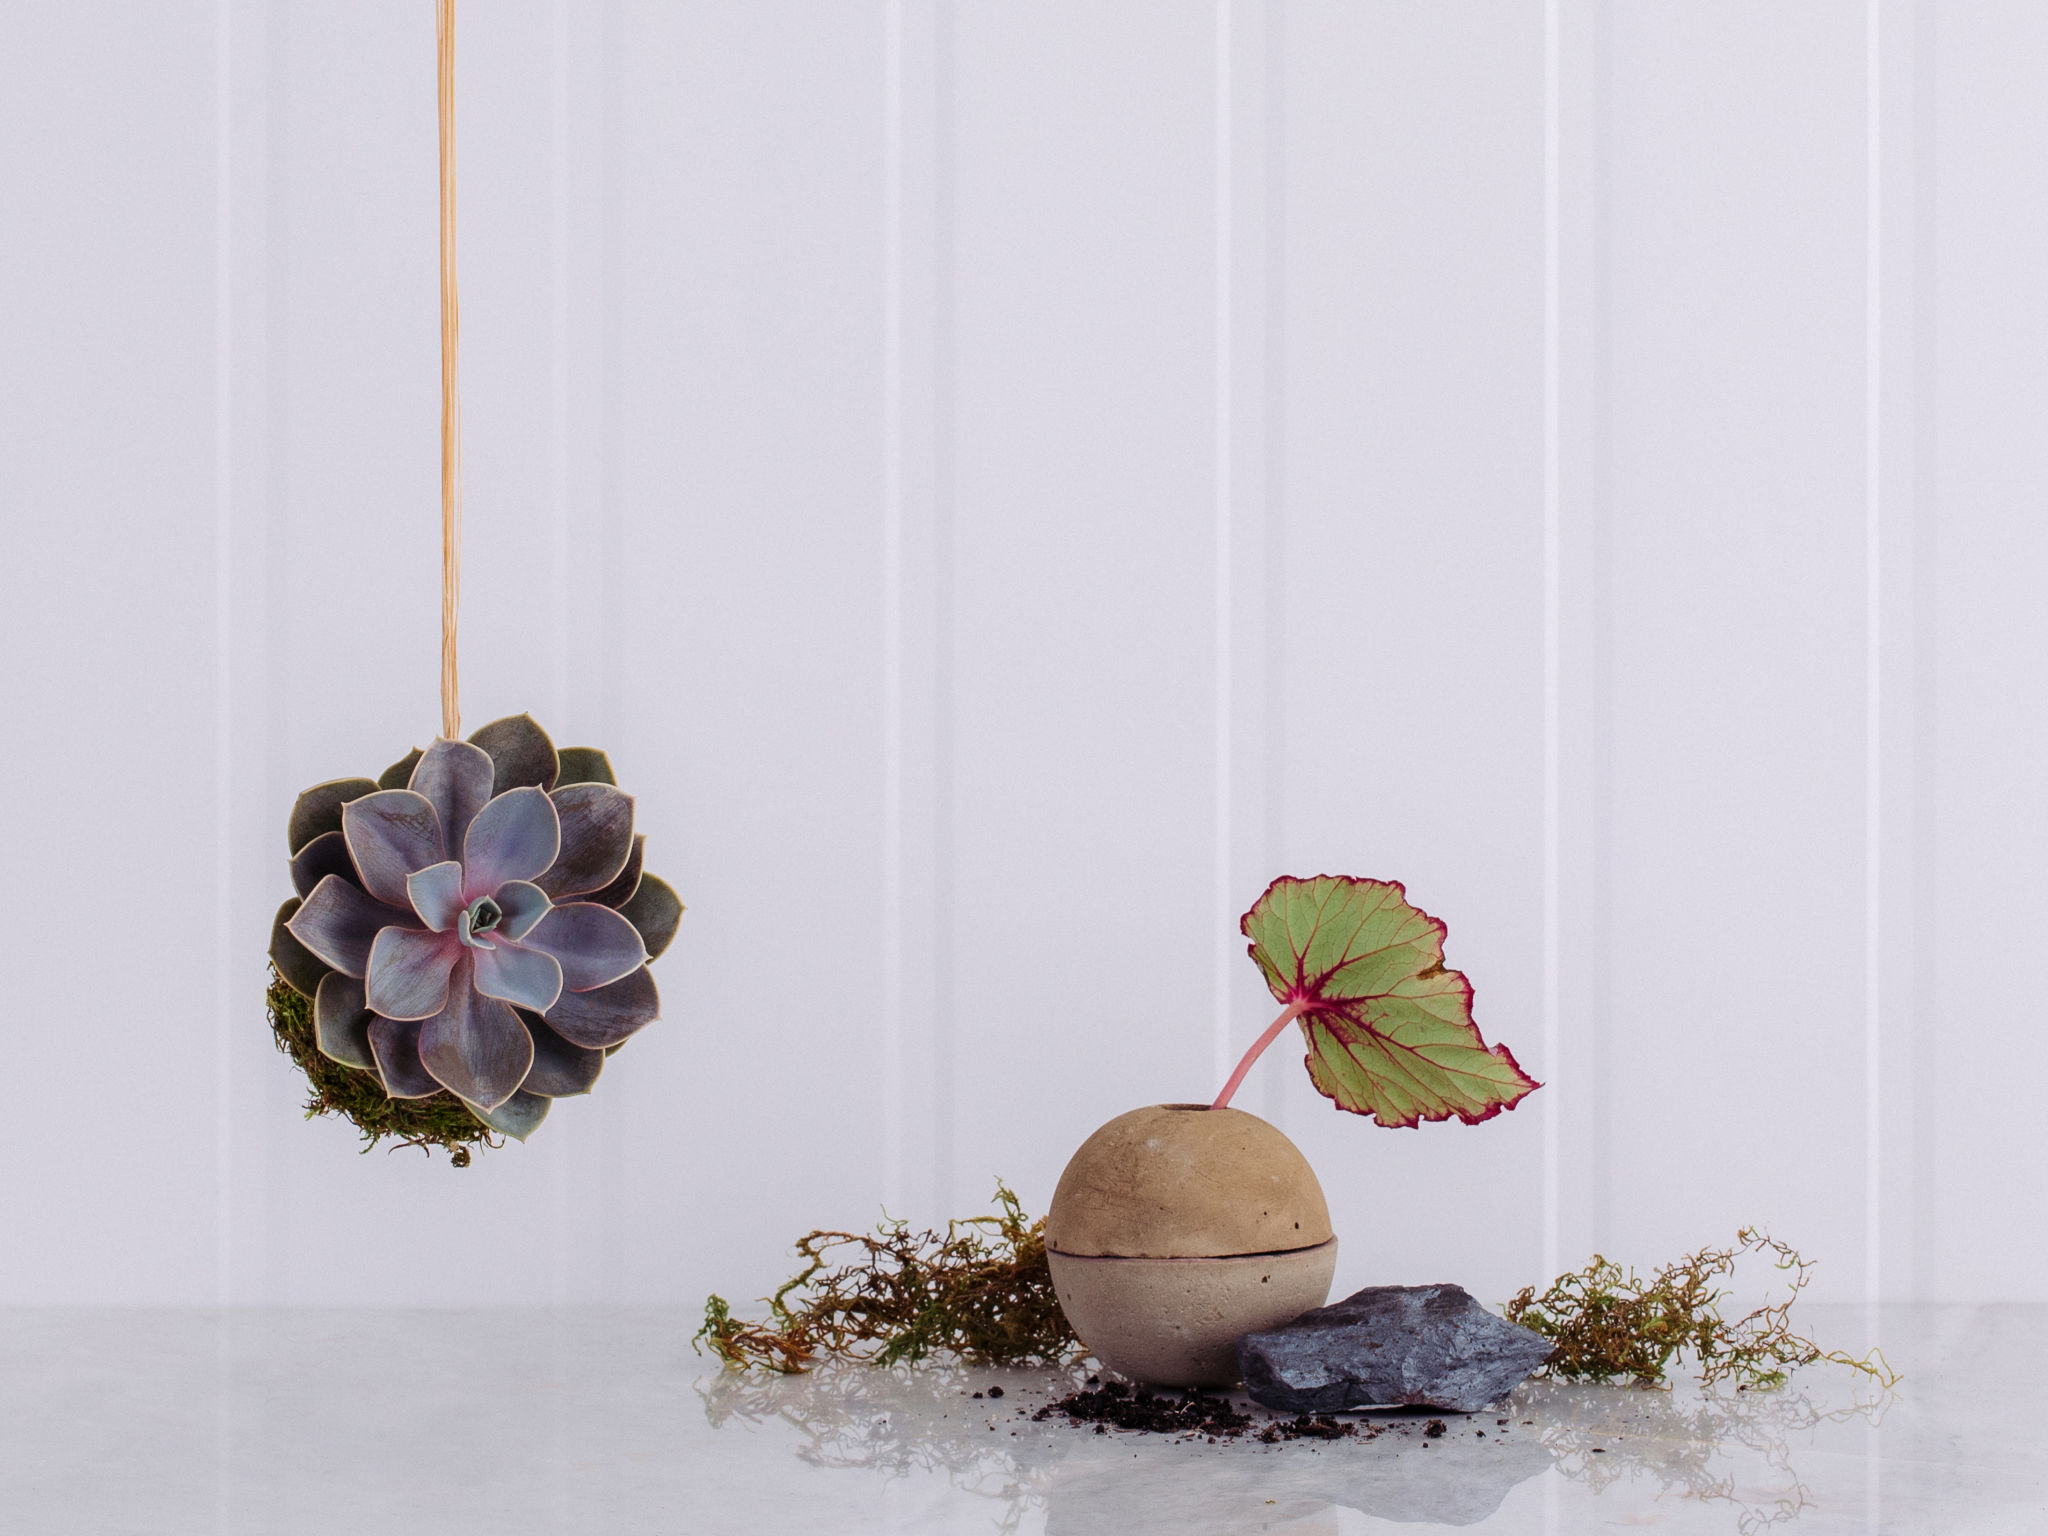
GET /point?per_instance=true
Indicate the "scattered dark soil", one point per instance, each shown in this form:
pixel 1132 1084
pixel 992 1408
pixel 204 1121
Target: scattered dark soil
pixel 1116 1405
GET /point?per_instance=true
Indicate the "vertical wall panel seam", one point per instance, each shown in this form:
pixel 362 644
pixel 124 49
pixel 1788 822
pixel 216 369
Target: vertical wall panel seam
pixel 893 1107
pixel 1553 1030
pixel 945 1022
pixel 223 638
pixel 1223 910
pixel 1873 596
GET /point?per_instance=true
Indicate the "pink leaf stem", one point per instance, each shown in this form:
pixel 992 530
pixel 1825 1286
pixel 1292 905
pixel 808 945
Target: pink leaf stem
pixel 1287 1017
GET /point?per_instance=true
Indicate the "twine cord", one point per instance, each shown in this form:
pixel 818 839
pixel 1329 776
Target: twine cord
pixel 451 381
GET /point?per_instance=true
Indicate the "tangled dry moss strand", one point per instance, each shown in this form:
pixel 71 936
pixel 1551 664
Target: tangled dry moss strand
pixel 981 1290
pixel 440 1121
pixel 1608 1324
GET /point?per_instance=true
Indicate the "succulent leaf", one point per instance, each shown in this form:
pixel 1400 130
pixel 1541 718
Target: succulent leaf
pixel 475 1047
pixel 399 774
pixel 436 894
pixel 301 969
pixel 457 778
pixel 523 904
pixel 655 910
pixel 597 839
pixel 341 1022
pixel 327 854
pixel 391 834
pixel 561 1068
pixel 521 754
pixel 604 1017
pixel 523 977
pixel 396 1045
pixel 621 890
pixel 318 810
pixel 515 837
pixel 1390 1030
pixel 339 922
pixel 518 1117
pixel 583 765
pixel 408 973
pixel 595 944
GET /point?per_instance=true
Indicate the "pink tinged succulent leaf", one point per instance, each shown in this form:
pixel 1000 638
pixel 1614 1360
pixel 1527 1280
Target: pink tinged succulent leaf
pixel 561 1068
pixel 318 810
pixel 621 890
pixel 301 969
pixel 595 944
pixel 523 977
pixel 518 1117
pixel 597 839
pixel 409 972
pixel 521 754
pixel 326 855
pixel 604 1017
pixel 1390 1030
pixel 339 922
pixel 395 1043
pixel 456 777
pixel 476 1047
pixel 391 834
pixel 515 837
pixel 523 904
pixel 341 1022
pixel 583 765
pixel 436 894
pixel 399 774
pixel 656 911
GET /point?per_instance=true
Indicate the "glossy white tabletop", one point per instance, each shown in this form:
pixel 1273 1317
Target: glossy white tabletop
pixel 382 1423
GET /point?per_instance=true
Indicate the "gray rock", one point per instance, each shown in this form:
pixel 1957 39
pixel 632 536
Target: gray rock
pixel 1390 1345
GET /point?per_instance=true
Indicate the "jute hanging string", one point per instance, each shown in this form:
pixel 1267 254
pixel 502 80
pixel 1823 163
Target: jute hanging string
pixel 451 382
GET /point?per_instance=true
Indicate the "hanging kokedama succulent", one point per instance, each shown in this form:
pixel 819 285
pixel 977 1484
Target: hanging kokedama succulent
pixel 475 922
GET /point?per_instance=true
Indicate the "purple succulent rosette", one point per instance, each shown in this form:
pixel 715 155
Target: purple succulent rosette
pixel 476 920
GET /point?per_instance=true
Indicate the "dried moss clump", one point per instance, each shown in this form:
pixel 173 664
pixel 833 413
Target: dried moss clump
pixel 440 1121
pixel 980 1290
pixel 1608 1323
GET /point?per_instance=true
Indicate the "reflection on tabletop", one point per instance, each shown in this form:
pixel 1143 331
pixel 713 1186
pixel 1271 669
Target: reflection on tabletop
pixel 1732 1449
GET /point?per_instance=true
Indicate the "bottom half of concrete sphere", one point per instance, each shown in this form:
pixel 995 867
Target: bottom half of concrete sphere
pixel 1176 1322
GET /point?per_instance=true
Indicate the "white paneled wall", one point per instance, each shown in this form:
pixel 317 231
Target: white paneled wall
pixel 1005 482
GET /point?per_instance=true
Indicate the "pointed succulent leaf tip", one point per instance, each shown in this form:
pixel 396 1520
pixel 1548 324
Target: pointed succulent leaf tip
pixel 621 890
pixel 408 973
pixel 396 1045
pixel 341 1022
pixel 656 911
pixel 521 754
pixel 522 904
pixel 475 1047
pixel 339 922
pixel 436 894
pixel 561 1068
pixel 518 1117
pixel 399 774
pixel 601 1019
pixel 326 855
pixel 515 837
pixel 526 978
pixel 456 778
pixel 583 765
pixel 597 839
pixel 301 969
pixel 1390 1031
pixel 318 810
pixel 391 834
pixel 595 944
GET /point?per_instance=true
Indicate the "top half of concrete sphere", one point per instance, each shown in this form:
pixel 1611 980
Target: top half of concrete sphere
pixel 1177 1181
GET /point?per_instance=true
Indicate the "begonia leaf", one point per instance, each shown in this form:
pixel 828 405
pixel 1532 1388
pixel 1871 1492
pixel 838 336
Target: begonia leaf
pixel 318 810
pixel 655 910
pixel 583 765
pixel 521 754
pixel 1389 1027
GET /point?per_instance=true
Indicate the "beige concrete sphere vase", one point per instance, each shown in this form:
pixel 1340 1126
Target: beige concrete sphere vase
pixel 1178 1229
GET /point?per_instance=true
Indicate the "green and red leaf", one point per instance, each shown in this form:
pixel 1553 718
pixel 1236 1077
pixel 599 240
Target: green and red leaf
pixel 1389 1027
